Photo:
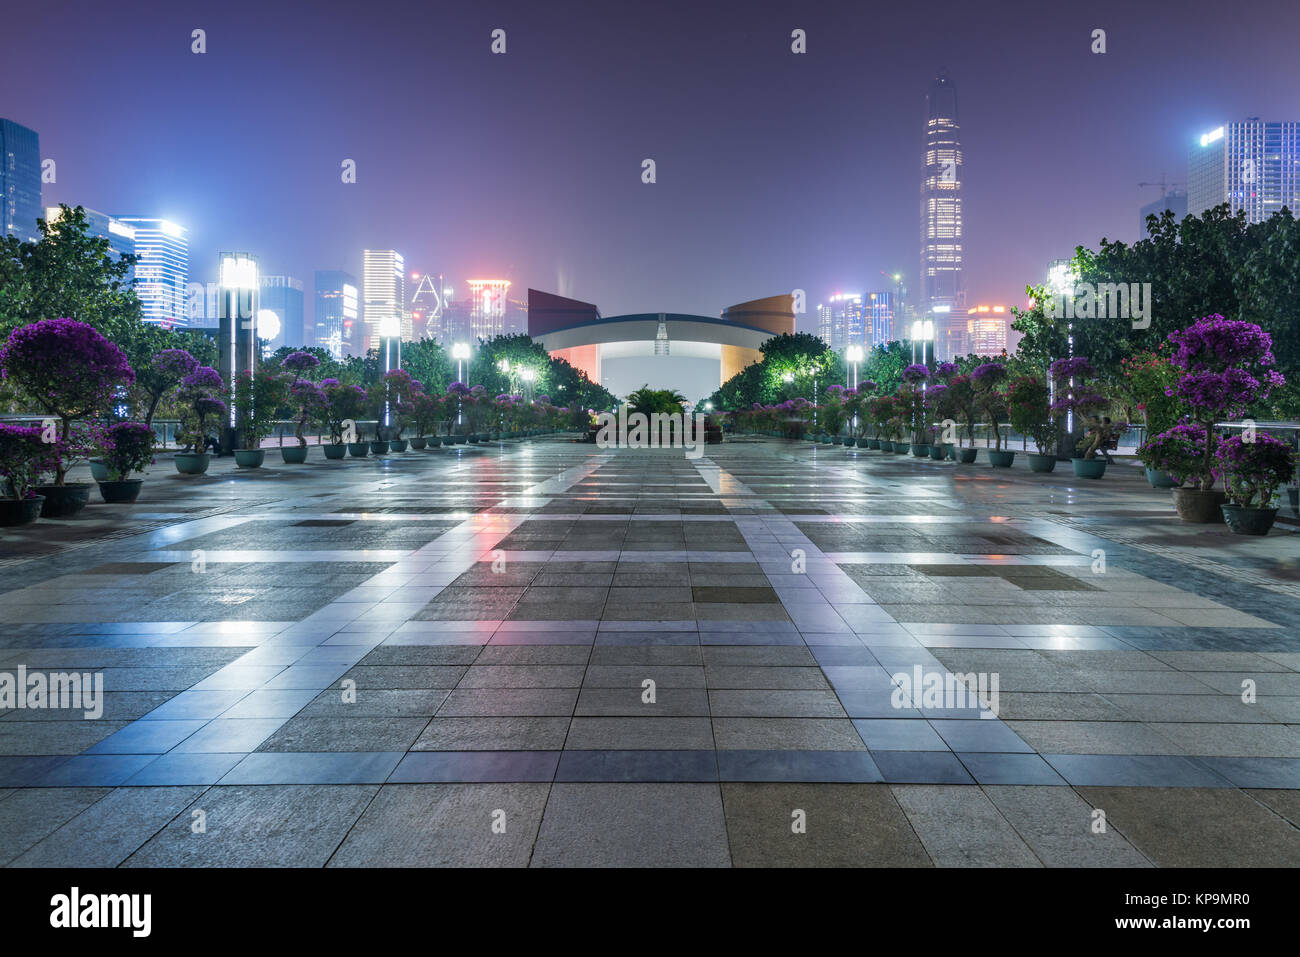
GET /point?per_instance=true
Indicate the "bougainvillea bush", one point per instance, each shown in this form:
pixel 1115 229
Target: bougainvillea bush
pixel 23 457
pixel 1030 413
pixel 1255 467
pixel 1180 453
pixel 915 377
pixel 162 375
pixel 69 371
pixel 299 364
pixel 343 403
pixel 1078 391
pixel 309 404
pixel 201 407
pixel 1225 367
pixel 128 448
pixel 986 381
pixel 958 402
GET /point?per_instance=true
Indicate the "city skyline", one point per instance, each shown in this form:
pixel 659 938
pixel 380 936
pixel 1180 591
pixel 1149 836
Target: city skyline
pixel 582 222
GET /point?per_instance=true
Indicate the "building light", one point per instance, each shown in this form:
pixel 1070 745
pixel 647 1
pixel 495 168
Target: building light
pixel 1210 137
pixel 171 229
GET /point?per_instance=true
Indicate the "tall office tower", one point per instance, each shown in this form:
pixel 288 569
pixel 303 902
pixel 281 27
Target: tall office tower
pixel 283 296
pixel 487 307
pixel 986 330
pixel 879 315
pixel 336 312
pixel 826 324
pixel 1250 165
pixel 1175 201
pixel 426 307
pixel 942 289
pixel 161 269
pixel 120 235
pixel 384 274
pixel 841 321
pixel 20 181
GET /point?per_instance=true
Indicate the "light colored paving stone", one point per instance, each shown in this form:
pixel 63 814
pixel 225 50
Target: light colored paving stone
pixel 1058 826
pixel 960 827
pixel 28 815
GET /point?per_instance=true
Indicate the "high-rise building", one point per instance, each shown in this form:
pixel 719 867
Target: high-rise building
pixel 20 181
pixel 427 307
pixel 879 315
pixel 942 284
pixel 283 296
pixel 986 330
pixel 384 274
pixel 337 327
pixel 120 235
pixel 161 269
pixel 1175 200
pixel 841 321
pixel 1250 165
pixel 487 307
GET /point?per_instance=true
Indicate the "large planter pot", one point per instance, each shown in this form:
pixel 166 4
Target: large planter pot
pixel 192 463
pixel 419 443
pixel 20 512
pixel 397 445
pixel 122 492
pixel 873 443
pixel 950 449
pixel 1248 521
pixel 1041 463
pixel 1089 468
pixel 379 446
pixel 358 450
pixel 293 454
pixel 334 451
pixel 921 450
pixel 1194 505
pixel 250 458
pixel 63 501
pixel 902 448
pixel 1001 458
pixel 1159 479
pixel 864 443
pixel 436 440
pixel 98 470
pixel 1293 494
pixel 886 445
pixel 967 456
pixel 937 452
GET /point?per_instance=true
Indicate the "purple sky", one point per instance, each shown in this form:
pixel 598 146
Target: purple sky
pixel 775 171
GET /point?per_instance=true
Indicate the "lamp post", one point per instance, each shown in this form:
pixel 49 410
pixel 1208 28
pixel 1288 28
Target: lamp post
pixel 460 352
pixel 922 331
pixel 854 355
pixel 529 376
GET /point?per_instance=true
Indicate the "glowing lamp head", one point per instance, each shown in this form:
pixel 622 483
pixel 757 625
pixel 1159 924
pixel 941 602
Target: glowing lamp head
pixel 787 377
pixel 854 354
pixel 268 324
pixel 389 327
pixel 460 351
pixel 528 375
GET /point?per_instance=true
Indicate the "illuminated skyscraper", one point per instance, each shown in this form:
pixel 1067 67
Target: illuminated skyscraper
pixel 20 181
pixel 841 321
pixel 337 326
pixel 878 318
pixel 162 269
pixel 487 309
pixel 1251 165
pixel 385 295
pixel 942 288
pixel 986 330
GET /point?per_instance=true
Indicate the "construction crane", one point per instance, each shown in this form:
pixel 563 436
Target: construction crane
pixel 1164 186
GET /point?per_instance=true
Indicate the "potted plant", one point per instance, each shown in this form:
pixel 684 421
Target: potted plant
pixel 958 403
pixel 1077 392
pixel 162 375
pixel 199 403
pixel 424 411
pixel 23 456
pixel 258 397
pixel 915 377
pixel 1180 453
pixel 344 404
pixel 1148 380
pixel 309 404
pixel 71 372
pixel 1030 413
pixel 129 450
pixel 1224 367
pixel 987 381
pixel 1254 467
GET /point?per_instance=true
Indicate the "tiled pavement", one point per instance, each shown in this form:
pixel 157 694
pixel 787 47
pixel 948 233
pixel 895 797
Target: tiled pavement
pixel 543 653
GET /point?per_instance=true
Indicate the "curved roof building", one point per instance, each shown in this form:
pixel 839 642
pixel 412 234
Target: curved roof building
pixel 693 354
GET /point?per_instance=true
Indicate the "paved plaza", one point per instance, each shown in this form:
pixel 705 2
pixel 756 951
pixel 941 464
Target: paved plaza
pixel 543 653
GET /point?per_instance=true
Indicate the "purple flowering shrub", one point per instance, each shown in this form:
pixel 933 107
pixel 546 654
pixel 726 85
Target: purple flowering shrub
pixel 1180 453
pixel 69 370
pixel 1078 391
pixel 198 397
pixel 986 381
pixel 23 457
pixel 299 363
pixel 311 404
pixel 1226 366
pixel 1254 470
pixel 128 448
pixel 343 403
pixel 162 375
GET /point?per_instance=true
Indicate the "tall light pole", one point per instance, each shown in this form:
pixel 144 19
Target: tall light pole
pixel 460 352
pixel 529 376
pixel 854 355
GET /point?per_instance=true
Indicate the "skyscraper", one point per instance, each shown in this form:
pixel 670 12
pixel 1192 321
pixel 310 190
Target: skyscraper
pixel 879 313
pixel 1250 165
pixel 841 321
pixel 20 181
pixel 1175 201
pixel 942 288
pixel 487 307
pixel 336 312
pixel 384 273
pixel 986 330
pixel 161 269
pixel 283 296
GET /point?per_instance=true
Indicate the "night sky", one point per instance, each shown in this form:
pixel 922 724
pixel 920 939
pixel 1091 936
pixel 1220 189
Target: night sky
pixel 775 171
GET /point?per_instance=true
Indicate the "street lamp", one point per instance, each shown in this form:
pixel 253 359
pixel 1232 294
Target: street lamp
pixel 854 355
pixel 528 375
pixel 460 352
pixel 923 332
